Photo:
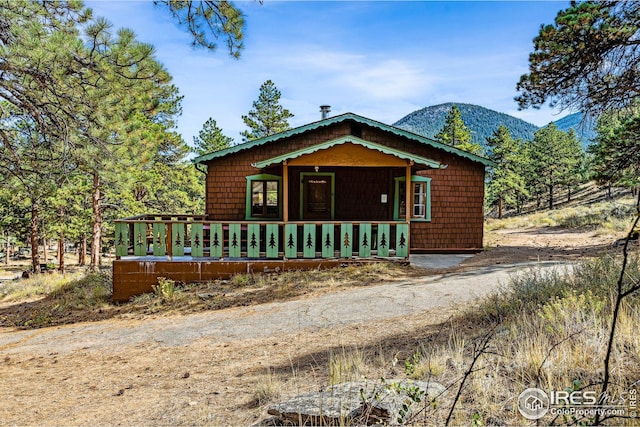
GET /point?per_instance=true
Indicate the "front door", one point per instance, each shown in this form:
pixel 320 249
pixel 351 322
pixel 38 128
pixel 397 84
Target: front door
pixel 316 197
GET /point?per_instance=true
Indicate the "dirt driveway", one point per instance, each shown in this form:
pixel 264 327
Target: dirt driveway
pixel 332 310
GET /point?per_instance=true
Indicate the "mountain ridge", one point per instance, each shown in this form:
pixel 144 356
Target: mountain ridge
pixel 482 122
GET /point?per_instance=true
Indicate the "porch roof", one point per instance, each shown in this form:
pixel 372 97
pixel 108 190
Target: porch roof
pixel 384 150
pixel 338 119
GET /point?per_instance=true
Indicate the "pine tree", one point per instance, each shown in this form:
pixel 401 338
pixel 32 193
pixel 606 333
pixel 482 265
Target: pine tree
pixel 506 185
pixel 267 117
pixel 587 60
pixel 455 133
pixel 616 157
pixel 208 21
pixel 552 157
pixel 210 139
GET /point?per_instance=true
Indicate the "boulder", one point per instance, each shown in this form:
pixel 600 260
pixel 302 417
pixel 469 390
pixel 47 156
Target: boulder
pixel 357 403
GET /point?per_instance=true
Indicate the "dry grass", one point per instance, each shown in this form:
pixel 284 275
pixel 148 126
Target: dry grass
pixel 52 299
pixel 552 333
pixel 606 217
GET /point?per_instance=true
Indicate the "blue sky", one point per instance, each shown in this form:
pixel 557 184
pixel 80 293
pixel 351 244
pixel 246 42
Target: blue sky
pixel 379 59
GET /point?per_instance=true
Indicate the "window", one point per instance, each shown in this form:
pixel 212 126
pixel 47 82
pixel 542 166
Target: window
pixel 263 196
pixel 420 197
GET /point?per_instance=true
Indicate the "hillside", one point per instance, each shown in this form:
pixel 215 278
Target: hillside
pixel 585 131
pixel 481 121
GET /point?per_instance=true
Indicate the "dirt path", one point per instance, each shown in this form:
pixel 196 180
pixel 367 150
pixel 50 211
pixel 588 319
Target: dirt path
pixel 331 310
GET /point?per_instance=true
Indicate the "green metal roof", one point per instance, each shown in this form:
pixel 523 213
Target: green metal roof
pixel 339 119
pixel 354 140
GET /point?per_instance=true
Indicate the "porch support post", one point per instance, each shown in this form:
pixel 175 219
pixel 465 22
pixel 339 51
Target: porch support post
pixel 285 191
pixel 407 204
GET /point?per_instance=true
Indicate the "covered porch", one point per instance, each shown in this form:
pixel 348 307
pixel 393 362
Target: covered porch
pixel 343 200
pixel 191 249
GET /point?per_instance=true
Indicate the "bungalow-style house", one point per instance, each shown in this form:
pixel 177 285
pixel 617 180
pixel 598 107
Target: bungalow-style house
pixel 342 188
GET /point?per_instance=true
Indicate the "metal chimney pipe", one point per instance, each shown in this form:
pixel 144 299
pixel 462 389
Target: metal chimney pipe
pixel 325 110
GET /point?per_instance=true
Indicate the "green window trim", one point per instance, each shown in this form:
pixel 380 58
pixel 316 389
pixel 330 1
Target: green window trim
pixel 262 177
pixel 333 191
pixel 396 198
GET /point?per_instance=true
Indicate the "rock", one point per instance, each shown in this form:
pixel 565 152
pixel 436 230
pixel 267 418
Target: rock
pixel 361 402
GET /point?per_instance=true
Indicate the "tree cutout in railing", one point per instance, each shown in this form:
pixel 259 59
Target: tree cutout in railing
pixel 197 240
pixel 309 240
pixel 327 241
pixel 403 241
pixel 383 240
pixel 290 242
pixel 159 239
pixel 346 241
pixel 178 239
pixel 365 242
pixel 253 240
pixel 120 239
pixel 140 240
pixel 272 241
pixel 216 240
pixel 234 241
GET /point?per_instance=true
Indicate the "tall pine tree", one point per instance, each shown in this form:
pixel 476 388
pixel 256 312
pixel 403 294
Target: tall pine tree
pixel 210 138
pixel 267 117
pixel 506 185
pixel 455 133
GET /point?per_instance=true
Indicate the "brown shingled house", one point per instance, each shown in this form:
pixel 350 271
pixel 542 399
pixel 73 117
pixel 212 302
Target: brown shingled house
pixel 341 188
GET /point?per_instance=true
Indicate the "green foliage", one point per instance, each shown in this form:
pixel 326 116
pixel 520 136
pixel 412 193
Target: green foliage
pixel 91 129
pixel 210 138
pixel 506 183
pixel 267 116
pixel 554 158
pixel 616 153
pixel 208 21
pixel 165 289
pixel 587 60
pixel 455 133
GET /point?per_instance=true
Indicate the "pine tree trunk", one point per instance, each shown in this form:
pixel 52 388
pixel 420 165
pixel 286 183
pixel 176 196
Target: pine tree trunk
pixel 61 253
pixel 6 254
pixel 82 256
pixel 500 207
pixel 35 257
pixel 568 193
pixel 609 191
pixel 45 253
pixel 96 232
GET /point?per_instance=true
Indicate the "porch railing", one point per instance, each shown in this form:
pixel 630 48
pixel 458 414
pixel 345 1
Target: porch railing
pixel 195 237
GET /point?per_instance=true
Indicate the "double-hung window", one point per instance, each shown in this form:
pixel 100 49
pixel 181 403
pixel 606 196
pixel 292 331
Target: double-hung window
pixel 420 198
pixel 264 197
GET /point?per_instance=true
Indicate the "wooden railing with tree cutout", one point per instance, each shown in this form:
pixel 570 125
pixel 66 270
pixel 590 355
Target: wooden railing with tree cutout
pixel 196 237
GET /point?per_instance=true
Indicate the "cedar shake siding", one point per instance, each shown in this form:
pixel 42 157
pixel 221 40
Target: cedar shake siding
pixel 457 192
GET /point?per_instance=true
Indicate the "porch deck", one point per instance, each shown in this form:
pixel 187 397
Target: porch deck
pixel 191 248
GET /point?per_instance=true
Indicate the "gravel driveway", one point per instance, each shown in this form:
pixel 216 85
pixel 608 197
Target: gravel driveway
pixel 358 305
